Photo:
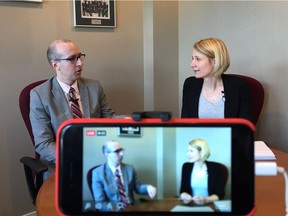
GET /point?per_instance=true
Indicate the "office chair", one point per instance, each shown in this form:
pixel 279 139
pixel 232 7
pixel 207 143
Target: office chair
pixel 257 95
pixel 33 168
pixel 89 178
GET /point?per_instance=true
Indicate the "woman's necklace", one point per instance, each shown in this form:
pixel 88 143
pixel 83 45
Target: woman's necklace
pixel 200 169
pixel 213 95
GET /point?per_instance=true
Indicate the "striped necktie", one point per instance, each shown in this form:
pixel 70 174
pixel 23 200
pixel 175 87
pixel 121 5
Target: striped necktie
pixel 73 101
pixel 121 188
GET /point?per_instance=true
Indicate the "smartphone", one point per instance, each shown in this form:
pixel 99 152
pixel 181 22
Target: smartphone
pixel 157 150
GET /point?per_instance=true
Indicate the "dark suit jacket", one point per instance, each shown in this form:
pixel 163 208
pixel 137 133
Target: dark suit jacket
pixel 238 102
pixel 217 178
pixel 49 108
pixel 105 191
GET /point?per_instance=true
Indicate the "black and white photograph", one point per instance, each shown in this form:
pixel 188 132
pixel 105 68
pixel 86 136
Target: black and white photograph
pixel 129 131
pixel 94 13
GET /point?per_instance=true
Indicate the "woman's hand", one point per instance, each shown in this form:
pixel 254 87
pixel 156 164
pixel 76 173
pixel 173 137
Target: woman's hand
pixel 199 200
pixel 186 198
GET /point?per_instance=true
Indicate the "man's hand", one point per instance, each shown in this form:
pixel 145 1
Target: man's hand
pixel 151 191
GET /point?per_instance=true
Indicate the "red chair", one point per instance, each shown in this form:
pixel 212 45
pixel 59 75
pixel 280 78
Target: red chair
pixel 89 178
pixel 257 94
pixel 33 168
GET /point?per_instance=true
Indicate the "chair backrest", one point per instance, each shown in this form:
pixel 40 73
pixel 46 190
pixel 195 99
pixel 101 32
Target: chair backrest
pixel 223 171
pixel 257 94
pixel 89 178
pixel 24 104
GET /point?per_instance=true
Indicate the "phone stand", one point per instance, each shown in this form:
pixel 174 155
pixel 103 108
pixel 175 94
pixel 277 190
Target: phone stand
pixel 164 116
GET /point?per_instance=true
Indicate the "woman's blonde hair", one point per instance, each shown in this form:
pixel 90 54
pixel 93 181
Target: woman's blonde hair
pixel 202 146
pixel 216 50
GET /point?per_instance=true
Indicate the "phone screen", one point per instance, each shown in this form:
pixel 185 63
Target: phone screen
pixel 158 153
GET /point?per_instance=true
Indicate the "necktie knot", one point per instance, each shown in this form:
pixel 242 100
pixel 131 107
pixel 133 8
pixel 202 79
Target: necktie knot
pixel 117 172
pixel 71 95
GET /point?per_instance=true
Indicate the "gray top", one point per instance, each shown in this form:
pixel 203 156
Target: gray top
pixel 211 110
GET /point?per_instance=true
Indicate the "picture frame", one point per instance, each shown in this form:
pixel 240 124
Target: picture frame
pixel 94 13
pixel 129 131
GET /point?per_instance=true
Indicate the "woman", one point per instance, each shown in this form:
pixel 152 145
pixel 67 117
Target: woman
pixel 202 181
pixel 210 93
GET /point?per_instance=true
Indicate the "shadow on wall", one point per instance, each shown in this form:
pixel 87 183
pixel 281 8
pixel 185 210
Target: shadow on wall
pixel 274 130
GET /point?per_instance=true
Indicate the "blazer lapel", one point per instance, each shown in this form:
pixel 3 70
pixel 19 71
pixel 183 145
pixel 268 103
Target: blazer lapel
pixel 60 99
pixel 110 177
pixel 227 89
pixel 125 178
pixel 84 98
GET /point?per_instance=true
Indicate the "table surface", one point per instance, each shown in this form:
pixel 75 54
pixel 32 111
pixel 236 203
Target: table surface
pixel 165 205
pixel 269 193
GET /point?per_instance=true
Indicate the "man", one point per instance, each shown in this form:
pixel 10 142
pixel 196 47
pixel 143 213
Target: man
pixel 106 191
pixel 50 104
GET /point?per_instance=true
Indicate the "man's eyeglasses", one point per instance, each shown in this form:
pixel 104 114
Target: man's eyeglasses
pixel 72 59
pixel 117 151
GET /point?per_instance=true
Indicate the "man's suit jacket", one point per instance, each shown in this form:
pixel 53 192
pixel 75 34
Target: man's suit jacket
pixel 238 102
pixel 49 108
pixel 105 191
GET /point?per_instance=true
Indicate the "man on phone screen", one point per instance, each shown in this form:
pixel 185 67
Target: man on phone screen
pixel 114 182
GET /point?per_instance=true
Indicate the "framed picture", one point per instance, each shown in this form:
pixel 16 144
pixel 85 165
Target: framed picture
pixel 129 131
pixel 95 13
